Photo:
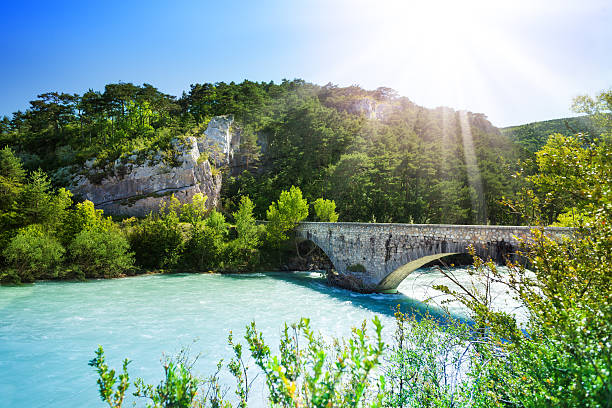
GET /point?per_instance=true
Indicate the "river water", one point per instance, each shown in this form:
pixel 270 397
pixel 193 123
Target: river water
pixel 50 330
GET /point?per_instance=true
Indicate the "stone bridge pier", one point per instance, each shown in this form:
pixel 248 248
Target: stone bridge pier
pixel 377 257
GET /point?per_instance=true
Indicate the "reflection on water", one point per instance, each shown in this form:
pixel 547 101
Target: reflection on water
pixel 49 331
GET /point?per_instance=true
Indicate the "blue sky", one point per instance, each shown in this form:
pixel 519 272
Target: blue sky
pixel 516 61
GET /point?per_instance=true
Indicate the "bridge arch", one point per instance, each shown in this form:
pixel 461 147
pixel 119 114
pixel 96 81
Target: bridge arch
pixel 377 257
pixel 390 282
pixel 305 253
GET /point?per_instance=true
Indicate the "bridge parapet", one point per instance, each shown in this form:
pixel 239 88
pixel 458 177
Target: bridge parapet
pixel 380 256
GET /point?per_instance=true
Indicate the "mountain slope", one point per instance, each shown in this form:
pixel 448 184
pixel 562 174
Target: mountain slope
pixel 534 135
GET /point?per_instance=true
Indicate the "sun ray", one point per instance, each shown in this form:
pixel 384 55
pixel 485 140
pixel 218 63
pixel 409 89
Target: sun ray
pixel 473 173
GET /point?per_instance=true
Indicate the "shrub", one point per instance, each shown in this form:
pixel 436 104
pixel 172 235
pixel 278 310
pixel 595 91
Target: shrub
pixel 317 375
pixel 157 241
pixel 33 254
pixel 106 380
pixel 239 258
pixel 204 250
pixel 436 365
pixel 178 388
pixel 83 217
pixel 312 373
pixel 195 211
pixel 98 253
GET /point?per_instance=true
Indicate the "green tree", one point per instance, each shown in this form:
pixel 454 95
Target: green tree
pixel 249 148
pixel 600 110
pixel 84 216
pixel 99 253
pixel 285 214
pixel 204 249
pixel 12 177
pixel 196 210
pixel 217 222
pixel 157 241
pixel 33 254
pixel 243 252
pixel 246 226
pixel 325 210
pixel 572 181
pixel 350 183
pixel 37 204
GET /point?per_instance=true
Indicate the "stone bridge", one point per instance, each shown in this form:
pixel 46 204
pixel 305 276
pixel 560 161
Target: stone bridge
pixel 377 257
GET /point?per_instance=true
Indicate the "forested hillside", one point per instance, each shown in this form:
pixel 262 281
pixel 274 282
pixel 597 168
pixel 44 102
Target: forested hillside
pixel 379 156
pixel 533 136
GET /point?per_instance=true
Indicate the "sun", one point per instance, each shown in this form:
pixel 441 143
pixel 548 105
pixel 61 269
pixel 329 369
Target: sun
pixel 445 52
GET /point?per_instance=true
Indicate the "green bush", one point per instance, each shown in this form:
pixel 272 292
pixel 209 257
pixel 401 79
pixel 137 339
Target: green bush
pixel 98 253
pixel 312 373
pixel 318 374
pixel 178 389
pixel 33 254
pixel 239 258
pixel 205 248
pixel 106 380
pixel 157 241
pixel 83 217
pixel 429 364
pixel 195 211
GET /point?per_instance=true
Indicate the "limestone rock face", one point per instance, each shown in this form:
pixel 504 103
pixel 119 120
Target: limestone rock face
pixel 137 189
pixel 219 140
pixel 371 108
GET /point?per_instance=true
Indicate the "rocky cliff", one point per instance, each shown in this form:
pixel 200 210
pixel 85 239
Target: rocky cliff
pixel 371 108
pixel 129 187
pixel 220 141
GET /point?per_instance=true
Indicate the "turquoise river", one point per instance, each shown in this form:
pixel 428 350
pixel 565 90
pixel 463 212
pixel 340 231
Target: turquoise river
pixel 49 330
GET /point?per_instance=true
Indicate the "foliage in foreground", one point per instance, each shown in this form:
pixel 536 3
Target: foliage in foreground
pixel 561 356
pixel 308 373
